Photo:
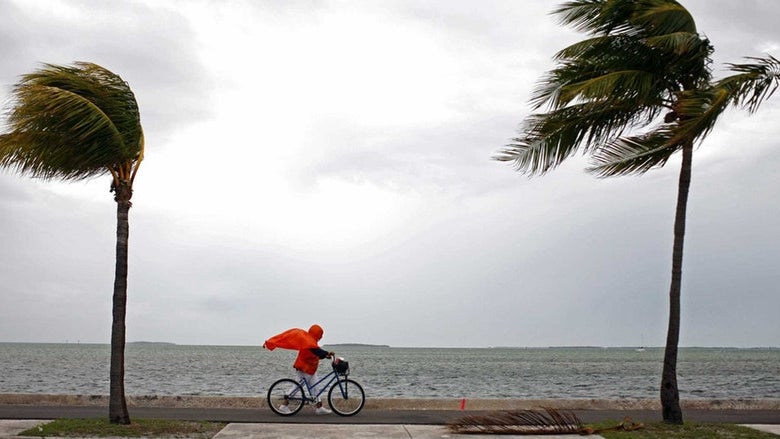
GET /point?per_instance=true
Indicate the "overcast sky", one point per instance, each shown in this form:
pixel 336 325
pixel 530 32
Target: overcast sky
pixel 330 162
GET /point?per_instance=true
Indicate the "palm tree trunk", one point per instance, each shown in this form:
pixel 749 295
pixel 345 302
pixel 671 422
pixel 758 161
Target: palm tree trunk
pixel 670 394
pixel 117 406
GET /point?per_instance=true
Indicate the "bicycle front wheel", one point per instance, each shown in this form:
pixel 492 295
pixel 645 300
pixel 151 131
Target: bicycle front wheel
pixel 346 397
pixel 286 397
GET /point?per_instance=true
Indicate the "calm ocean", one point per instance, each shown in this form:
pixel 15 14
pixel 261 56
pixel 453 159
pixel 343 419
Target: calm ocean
pixel 157 369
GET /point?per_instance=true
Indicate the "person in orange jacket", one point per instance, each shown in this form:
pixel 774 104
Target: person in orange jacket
pixel 309 355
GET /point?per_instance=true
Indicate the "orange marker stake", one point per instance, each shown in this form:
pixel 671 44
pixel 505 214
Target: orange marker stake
pixel 463 404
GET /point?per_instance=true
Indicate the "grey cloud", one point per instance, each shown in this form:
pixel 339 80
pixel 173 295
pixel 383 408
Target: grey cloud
pixel 452 156
pixel 736 29
pixel 490 256
pixel 153 49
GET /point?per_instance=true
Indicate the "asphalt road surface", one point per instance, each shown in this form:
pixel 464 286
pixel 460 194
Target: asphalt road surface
pixel 421 417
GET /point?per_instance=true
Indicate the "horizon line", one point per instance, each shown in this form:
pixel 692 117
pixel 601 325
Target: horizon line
pixel 375 345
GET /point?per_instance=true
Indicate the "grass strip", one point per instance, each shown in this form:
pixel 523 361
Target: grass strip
pixel 138 428
pixel 689 430
pixel 201 429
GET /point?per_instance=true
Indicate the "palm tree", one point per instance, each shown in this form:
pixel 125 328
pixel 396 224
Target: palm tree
pixel 644 70
pixel 71 123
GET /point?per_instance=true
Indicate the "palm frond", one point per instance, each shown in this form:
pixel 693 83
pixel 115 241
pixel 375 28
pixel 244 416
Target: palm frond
pixel 754 82
pixel 581 14
pixel 71 122
pixel 618 67
pixel 19 152
pixel 633 155
pixel 636 85
pixel 605 49
pixel 680 43
pixel 60 111
pixel 597 17
pixel 644 57
pixel 661 17
pixel 106 90
pixel 643 18
pixel 581 49
pixel 520 422
pixel 545 421
pixel 548 139
pixel 697 112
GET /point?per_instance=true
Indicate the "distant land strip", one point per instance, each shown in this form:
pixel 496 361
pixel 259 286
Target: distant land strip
pixel 356 345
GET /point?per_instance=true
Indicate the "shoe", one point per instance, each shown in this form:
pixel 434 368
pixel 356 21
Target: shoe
pixel 284 409
pixel 322 411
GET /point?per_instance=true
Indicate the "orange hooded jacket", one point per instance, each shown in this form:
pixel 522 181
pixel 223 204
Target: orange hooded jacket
pixel 305 342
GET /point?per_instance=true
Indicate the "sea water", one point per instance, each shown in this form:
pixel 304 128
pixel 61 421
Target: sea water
pixel 535 373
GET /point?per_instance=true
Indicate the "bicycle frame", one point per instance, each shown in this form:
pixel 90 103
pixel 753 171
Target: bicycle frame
pixel 330 378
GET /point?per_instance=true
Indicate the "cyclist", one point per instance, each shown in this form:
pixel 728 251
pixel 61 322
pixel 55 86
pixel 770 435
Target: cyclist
pixel 309 355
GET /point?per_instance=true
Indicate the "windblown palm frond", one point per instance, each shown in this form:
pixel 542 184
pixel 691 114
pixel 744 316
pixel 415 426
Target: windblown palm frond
pixel 678 43
pixel 548 139
pixel 661 17
pixel 634 155
pixel 594 16
pixel 697 112
pixel 754 82
pixel 642 55
pixel 71 122
pixel 545 421
pixel 641 18
pixel 625 85
pixel 607 67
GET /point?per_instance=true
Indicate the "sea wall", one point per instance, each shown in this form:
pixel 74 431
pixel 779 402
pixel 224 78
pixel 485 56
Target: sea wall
pixel 395 403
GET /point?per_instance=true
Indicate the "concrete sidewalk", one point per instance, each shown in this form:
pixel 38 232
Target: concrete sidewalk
pixel 11 428
pixel 341 431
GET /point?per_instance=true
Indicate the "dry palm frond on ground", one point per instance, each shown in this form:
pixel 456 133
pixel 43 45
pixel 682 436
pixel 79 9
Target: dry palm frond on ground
pixel 536 422
pixel 545 421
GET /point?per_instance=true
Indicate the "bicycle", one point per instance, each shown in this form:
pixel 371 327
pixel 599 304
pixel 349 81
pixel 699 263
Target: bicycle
pixel 345 396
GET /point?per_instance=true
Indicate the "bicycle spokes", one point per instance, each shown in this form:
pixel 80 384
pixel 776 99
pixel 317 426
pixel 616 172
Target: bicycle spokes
pixel 286 397
pixel 346 398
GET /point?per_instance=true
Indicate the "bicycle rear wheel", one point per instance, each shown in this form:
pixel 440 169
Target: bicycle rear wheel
pixel 346 397
pixel 286 397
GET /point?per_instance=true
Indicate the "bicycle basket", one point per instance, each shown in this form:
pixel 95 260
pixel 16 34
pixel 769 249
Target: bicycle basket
pixel 341 366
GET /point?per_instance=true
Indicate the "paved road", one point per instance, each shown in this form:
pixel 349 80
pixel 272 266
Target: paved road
pixel 388 417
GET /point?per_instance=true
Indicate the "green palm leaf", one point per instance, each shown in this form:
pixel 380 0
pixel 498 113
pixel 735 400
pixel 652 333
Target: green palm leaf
pixel 634 155
pixel 661 17
pixel 71 123
pixel 636 18
pixel 697 113
pixel 753 83
pixel 677 42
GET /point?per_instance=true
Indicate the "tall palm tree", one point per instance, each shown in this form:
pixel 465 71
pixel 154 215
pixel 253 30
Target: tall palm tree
pixel 644 69
pixel 71 123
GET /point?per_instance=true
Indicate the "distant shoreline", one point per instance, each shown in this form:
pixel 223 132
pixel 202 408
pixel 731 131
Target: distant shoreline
pixel 151 343
pixel 355 345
